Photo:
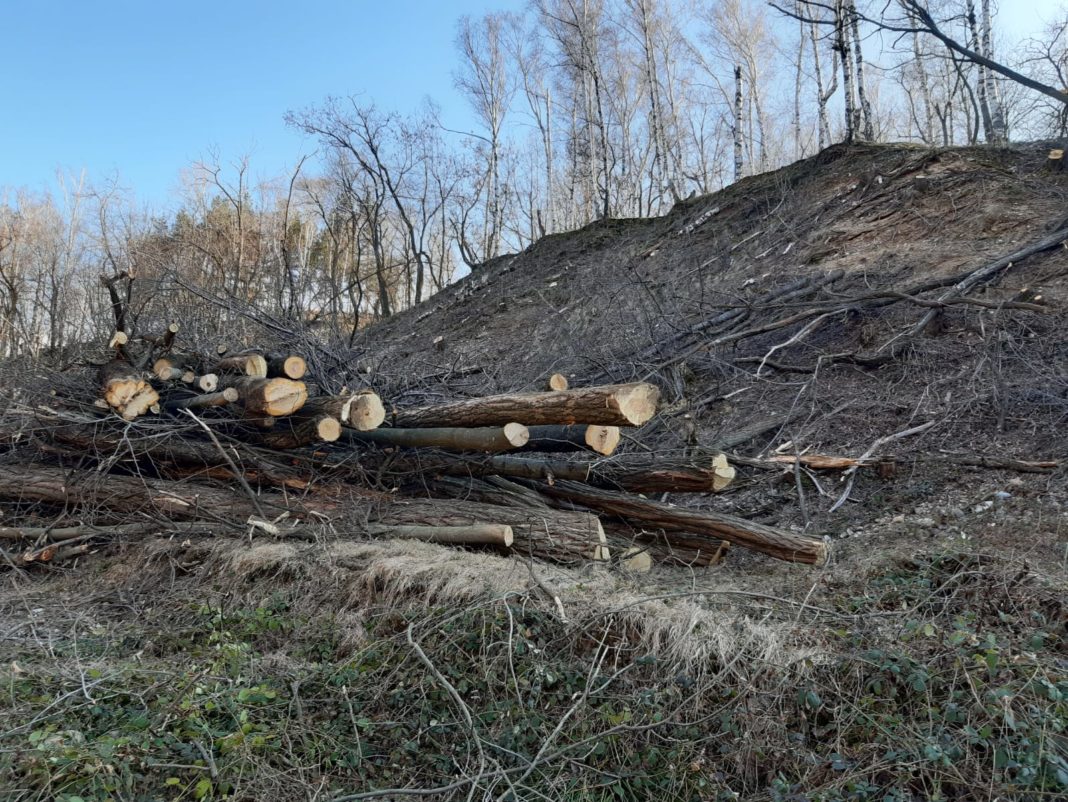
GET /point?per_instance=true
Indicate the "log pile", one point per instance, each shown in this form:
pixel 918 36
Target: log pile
pixel 175 440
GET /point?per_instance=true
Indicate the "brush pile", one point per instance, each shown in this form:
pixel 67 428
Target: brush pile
pixel 162 440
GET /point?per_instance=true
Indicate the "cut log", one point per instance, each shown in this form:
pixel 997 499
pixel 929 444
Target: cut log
pixel 208 383
pixel 636 560
pixel 655 543
pixel 601 439
pixel 168 369
pixel 248 364
pixel 125 390
pixel 558 382
pixel 286 367
pixel 291 432
pixel 695 529
pixel 269 397
pixel 490 439
pixel 609 405
pixel 118 339
pixel 1055 162
pixel 362 411
pixel 562 536
pixel 638 473
pixel 220 399
pixel 475 534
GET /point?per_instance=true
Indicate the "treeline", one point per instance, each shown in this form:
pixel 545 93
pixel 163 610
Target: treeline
pixel 583 109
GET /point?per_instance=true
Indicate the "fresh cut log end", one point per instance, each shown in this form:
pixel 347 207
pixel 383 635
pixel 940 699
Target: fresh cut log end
pixel 558 381
pixel 637 402
pixel 517 434
pixel 603 439
pixel 364 412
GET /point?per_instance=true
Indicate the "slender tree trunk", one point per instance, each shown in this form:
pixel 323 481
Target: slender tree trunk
pixel 862 94
pixel 738 163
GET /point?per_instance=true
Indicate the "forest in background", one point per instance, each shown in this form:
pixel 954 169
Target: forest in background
pixel 587 109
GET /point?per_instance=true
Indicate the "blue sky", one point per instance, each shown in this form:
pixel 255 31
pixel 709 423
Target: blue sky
pixel 143 89
pixel 140 90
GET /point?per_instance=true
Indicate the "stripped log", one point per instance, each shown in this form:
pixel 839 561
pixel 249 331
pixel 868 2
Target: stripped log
pixel 362 411
pixel 694 529
pixel 490 439
pixel 125 391
pixel 220 399
pixel 609 405
pixel 286 367
pixel 269 397
pixel 601 439
pixel 474 535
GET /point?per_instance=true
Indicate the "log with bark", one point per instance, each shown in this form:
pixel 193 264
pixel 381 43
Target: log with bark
pixel 473 535
pixel 362 410
pixel 298 430
pixel 286 366
pixel 193 401
pixel 254 365
pixel 602 439
pixel 125 390
pixel 489 439
pixel 694 529
pixel 609 405
pixel 269 397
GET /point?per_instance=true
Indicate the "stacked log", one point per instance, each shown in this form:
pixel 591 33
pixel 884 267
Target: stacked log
pixel 532 474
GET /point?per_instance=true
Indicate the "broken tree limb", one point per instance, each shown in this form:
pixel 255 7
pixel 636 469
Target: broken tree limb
pixel 610 405
pixel 601 439
pixel 476 534
pixel 490 439
pixel 694 529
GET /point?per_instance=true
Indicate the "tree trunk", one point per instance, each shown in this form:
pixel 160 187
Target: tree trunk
pixel 611 405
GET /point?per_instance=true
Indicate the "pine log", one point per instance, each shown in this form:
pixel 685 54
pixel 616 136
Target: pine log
pixel 248 364
pixel 286 367
pixel 475 534
pixel 219 399
pixel 695 529
pixel 293 432
pixel 269 397
pixel 362 411
pixel 609 405
pixel 490 439
pixel 601 439
pixel 558 382
pixel 125 390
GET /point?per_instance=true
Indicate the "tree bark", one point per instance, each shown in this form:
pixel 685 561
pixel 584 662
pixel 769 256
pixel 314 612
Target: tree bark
pixel 280 366
pixel 694 529
pixel 490 439
pixel 472 535
pixel 220 399
pixel 601 439
pixel 610 405
pixel 362 411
